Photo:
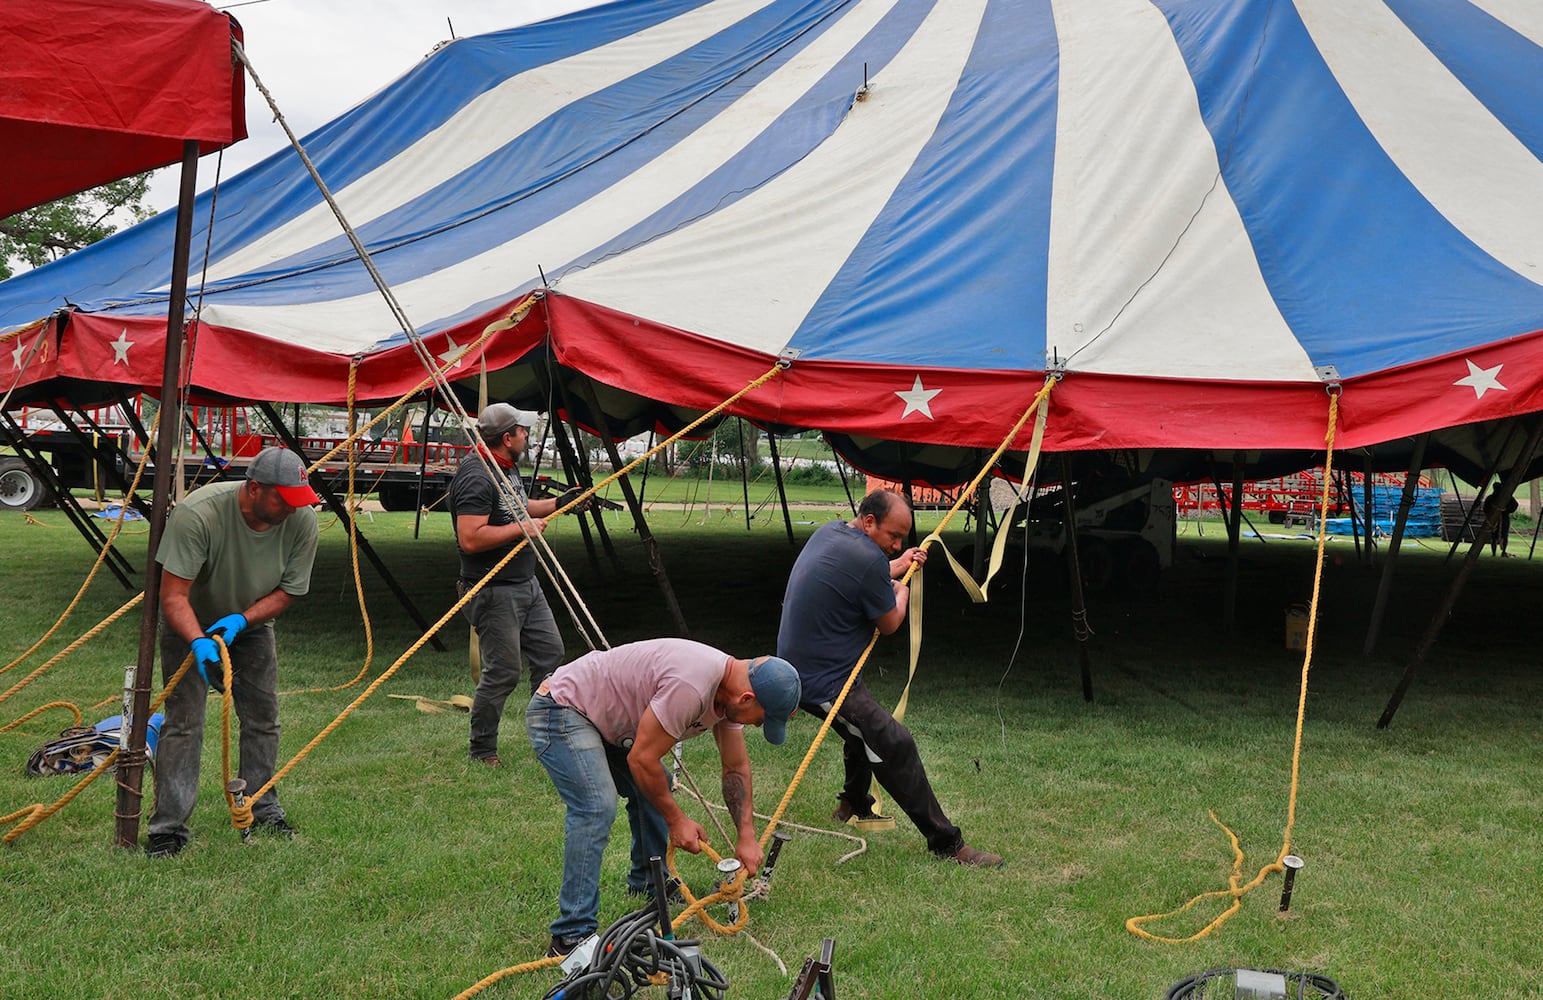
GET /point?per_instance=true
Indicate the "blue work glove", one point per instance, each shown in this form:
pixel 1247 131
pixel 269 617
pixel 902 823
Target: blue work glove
pixel 230 626
pixel 206 657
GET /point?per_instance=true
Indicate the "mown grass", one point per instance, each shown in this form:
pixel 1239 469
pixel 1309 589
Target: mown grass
pixel 416 874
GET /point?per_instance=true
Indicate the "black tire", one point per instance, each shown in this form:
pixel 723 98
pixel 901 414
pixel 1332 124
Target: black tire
pixel 20 488
pixel 1140 567
pixel 397 498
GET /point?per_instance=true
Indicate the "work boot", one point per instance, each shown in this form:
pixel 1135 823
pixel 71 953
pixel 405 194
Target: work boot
pixel 164 845
pixel 972 857
pixel 491 760
pixel 277 827
pixel 562 947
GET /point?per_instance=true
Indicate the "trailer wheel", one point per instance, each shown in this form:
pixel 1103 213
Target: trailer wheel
pixel 20 488
pixel 1142 567
pixel 397 498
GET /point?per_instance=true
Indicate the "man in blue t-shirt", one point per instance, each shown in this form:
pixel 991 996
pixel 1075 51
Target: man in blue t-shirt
pixel 845 584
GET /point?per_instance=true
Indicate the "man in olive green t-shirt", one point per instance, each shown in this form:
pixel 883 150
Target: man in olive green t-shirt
pixel 234 555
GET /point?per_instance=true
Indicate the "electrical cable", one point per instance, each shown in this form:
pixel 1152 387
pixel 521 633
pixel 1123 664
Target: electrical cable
pixel 1194 987
pixel 631 956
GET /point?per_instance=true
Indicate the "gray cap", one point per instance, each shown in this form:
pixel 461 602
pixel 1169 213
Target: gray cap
pixel 284 471
pixel 501 418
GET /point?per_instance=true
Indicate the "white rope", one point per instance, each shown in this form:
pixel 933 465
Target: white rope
pixel 542 550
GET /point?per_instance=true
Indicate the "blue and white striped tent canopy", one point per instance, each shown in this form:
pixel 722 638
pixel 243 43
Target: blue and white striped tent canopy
pixel 1202 211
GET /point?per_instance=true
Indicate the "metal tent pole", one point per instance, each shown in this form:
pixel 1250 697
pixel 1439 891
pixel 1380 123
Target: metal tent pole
pixel 655 560
pixel 131 764
pixel 1400 522
pixel 1074 570
pixel 782 493
pixel 1439 619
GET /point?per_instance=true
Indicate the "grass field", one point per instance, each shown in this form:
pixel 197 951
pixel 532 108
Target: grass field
pixel 415 874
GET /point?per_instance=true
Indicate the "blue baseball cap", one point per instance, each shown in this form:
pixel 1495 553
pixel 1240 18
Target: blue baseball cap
pixel 778 689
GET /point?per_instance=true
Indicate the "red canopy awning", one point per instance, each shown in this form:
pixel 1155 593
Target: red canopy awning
pixel 95 90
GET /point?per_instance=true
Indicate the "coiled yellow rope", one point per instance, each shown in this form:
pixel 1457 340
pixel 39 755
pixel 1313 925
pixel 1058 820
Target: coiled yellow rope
pixel 1236 890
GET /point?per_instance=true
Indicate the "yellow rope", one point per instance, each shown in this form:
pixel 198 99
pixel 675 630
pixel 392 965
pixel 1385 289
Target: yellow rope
pixel 353 542
pixel 101 557
pixel 40 710
pixel 1234 889
pixel 66 651
pixel 242 815
pixel 825 724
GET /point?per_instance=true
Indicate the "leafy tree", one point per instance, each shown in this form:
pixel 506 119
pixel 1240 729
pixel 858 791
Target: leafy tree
pixel 47 232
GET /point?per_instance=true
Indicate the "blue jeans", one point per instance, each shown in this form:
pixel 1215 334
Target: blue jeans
pixel 511 619
pixel 589 774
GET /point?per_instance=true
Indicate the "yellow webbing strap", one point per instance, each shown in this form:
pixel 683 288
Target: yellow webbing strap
pixel 1235 890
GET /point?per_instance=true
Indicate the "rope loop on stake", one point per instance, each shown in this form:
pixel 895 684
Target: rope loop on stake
pixel 1235 890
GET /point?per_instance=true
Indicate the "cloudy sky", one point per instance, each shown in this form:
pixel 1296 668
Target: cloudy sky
pixel 318 59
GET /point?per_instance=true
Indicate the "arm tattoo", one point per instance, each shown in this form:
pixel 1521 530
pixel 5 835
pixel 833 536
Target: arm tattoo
pixel 736 795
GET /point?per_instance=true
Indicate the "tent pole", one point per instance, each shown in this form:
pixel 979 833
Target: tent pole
pixel 1074 574
pixel 45 472
pixel 582 474
pixel 570 460
pixel 106 455
pixel 65 496
pixel 1232 510
pixel 1400 522
pixel 1368 513
pixel 1503 494
pixel 340 508
pixel 655 561
pixel 782 494
pixel 982 509
pixel 841 468
pixel 423 465
pixel 131 764
pixel 1477 506
pixel 1347 499
pixel 643 487
pixel 744 470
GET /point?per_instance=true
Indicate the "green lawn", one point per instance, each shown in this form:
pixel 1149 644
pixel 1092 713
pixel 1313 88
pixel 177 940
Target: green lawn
pixel 416 874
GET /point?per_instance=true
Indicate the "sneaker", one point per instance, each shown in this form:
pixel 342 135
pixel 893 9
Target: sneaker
pixel 164 845
pixel 972 857
pixel 491 760
pixel 562 947
pixel 277 827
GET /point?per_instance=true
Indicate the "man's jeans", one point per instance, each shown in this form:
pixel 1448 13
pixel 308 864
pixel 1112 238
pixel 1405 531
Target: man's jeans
pixel 510 619
pixel 878 747
pixel 589 774
pixel 254 671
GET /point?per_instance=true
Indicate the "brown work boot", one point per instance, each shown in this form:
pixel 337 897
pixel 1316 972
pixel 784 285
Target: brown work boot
pixel 972 857
pixel 491 760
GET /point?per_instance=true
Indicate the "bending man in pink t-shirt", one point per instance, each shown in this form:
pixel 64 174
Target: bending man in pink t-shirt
pixel 601 725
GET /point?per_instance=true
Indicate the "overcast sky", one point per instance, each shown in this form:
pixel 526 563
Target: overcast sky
pixel 318 58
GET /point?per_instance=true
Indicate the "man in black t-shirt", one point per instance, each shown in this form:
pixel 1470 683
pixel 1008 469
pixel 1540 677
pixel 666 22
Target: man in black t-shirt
pixel 510 613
